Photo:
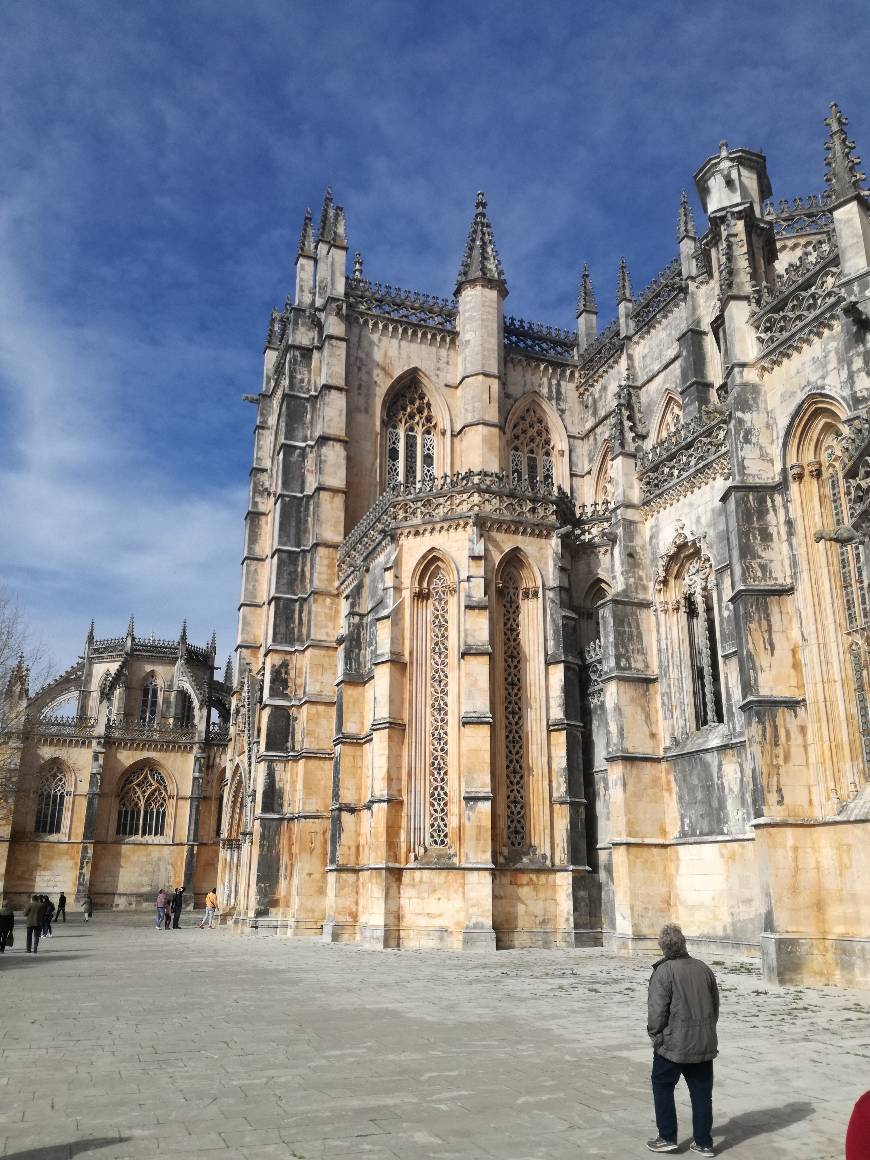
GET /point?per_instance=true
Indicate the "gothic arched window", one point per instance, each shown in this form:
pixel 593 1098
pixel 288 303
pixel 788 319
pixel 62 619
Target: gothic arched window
pixel 411 443
pixel 833 605
pixel 149 702
pixel 532 454
pixel 142 804
pixel 602 484
pixel 430 806
pixel 51 799
pixel 670 420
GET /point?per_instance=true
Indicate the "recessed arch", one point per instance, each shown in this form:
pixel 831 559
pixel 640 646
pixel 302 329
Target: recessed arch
pixel 54 787
pixel 602 476
pixel 144 798
pixel 415 432
pixel 534 430
pixel 668 418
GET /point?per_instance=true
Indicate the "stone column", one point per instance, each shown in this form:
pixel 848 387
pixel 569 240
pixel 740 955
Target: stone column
pixel 189 875
pixel 86 854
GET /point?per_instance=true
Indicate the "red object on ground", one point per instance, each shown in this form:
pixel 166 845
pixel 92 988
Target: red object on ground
pixel 858 1132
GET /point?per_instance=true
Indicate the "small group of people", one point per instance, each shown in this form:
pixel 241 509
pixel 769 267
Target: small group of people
pixel 169 907
pixel 39 914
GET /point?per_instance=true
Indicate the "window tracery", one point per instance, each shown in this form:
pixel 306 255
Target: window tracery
pixel 410 439
pixel 603 486
pixel 671 419
pixel 51 799
pixel 513 724
pixel 532 453
pixel 142 804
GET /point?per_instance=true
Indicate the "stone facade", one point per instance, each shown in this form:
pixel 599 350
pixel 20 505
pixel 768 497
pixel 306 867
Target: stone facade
pixel 113 774
pixel 548 637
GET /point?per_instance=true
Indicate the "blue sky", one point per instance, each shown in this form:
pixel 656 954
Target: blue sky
pixel 155 163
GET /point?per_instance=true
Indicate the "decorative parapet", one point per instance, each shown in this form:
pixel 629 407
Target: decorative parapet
pixel 809 215
pixel 60 726
pixel 403 305
pixel 536 338
pixel 694 453
pixel 593 670
pixel 597 357
pixel 664 289
pixel 799 306
pixel 129 729
pixel 218 733
pixel 465 495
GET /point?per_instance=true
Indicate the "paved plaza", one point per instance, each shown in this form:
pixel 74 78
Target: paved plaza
pixel 122 1041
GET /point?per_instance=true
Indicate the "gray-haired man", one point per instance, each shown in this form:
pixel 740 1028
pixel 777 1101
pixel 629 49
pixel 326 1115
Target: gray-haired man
pixel 683 1008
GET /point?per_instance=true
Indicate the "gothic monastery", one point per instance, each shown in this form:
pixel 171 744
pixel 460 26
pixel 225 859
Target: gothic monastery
pixel 546 637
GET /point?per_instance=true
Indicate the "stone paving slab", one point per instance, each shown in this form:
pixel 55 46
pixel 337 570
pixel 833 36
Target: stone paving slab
pixel 119 1041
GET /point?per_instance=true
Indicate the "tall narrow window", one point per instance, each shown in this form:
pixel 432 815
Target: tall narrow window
pixel 703 657
pixel 51 799
pixel 531 451
pixel 148 704
pixel 410 439
pixel 429 798
pixel 185 709
pixel 142 804
pixel 514 725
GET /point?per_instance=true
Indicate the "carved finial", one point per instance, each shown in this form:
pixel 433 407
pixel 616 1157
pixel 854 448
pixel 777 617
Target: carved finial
pixel 91 633
pixel 480 259
pixel 228 672
pixel 623 283
pixel 327 218
pixel 843 175
pixel 357 266
pixel 305 248
pixel 212 644
pixel 685 220
pixel 586 298
pixel 182 638
pixel 130 626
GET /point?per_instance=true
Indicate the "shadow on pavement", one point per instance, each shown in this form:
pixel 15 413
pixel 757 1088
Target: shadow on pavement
pixel 760 1122
pixel 65 1151
pixel 15 958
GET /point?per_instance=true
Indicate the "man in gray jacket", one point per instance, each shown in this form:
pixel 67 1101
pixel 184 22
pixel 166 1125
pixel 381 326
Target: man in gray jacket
pixel 683 1008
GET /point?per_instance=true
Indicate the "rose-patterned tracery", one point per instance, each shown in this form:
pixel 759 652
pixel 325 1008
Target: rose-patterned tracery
pixel 142 804
pixel 411 439
pixel 531 450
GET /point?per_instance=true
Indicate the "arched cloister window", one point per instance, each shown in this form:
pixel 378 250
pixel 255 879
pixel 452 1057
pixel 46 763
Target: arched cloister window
pixel 149 702
pixel 521 825
pixel 833 604
pixel 602 480
pixel 689 640
pixel 185 709
pixel 531 450
pixel 412 443
pixel 670 419
pixel 598 591
pixel 430 806
pixel 143 804
pixel 51 799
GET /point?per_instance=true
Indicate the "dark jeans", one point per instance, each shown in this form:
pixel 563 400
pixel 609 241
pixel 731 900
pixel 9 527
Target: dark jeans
pixel 5 932
pixel 699 1080
pixel 61 914
pixel 33 933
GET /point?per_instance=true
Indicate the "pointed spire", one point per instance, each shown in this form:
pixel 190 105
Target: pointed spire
pixel 623 283
pixel 183 634
pixel 212 644
pixel 91 633
pixel 480 260
pixel 305 249
pixel 843 175
pixel 685 220
pixel 327 218
pixel 357 267
pixel 228 672
pixel 586 298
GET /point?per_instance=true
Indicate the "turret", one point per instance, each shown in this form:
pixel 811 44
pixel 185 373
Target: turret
pixel 624 303
pixel 686 236
pixel 480 290
pixel 587 311
pixel 305 264
pixel 331 251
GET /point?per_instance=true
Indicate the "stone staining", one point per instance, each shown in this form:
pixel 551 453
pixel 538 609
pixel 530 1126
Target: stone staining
pixel 514 747
pixel 439 709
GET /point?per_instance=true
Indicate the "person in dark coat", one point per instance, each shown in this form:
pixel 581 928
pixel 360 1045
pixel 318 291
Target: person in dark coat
pixel 61 908
pixel 47 915
pixel 7 922
pixel 682 1012
pixel 33 914
pixel 177 904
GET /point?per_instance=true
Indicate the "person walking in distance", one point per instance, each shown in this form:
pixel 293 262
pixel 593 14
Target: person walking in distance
pixel 47 916
pixel 161 907
pixel 60 913
pixel 682 1012
pixel 33 914
pixel 88 907
pixel 177 903
pixel 211 905
pixel 7 922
